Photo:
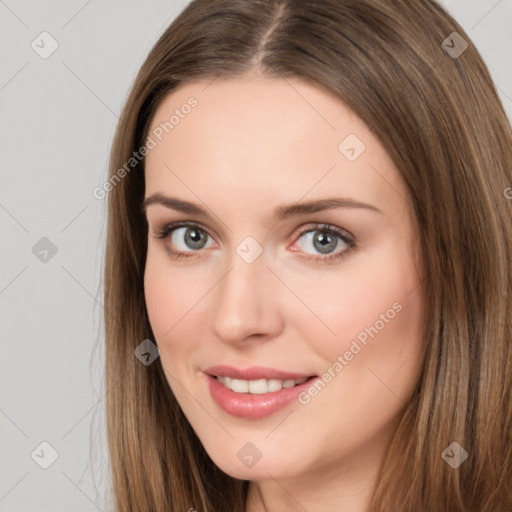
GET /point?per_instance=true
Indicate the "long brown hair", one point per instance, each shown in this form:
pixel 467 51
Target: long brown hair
pixel 432 103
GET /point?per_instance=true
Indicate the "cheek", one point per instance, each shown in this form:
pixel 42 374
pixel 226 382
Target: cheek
pixel 368 298
pixel 375 309
pixel 160 299
pixel 169 294
pixel 377 313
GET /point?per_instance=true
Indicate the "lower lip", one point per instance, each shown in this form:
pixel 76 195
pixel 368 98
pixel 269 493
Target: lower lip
pixel 251 406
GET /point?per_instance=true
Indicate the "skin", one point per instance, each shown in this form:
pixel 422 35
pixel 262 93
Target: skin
pixel 251 145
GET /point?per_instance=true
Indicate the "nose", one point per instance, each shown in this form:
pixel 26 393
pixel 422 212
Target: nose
pixel 245 302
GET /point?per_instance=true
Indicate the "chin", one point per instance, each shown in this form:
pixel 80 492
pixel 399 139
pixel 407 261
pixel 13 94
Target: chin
pixel 236 462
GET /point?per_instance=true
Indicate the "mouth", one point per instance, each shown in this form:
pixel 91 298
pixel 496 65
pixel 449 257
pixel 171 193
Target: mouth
pixel 257 398
pixel 260 386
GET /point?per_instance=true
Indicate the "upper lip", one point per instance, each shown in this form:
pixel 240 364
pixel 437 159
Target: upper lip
pixel 253 373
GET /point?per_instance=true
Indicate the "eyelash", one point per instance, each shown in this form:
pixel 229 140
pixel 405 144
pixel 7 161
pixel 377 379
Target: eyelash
pixel 165 231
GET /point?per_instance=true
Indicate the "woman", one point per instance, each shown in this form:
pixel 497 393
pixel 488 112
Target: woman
pixel 331 304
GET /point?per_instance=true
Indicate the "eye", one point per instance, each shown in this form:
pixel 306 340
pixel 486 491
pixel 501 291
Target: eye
pixel 330 241
pixel 187 237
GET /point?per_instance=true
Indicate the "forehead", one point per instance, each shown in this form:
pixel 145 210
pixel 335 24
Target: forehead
pixel 272 139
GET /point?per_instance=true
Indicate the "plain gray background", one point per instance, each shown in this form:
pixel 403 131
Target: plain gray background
pixel 58 116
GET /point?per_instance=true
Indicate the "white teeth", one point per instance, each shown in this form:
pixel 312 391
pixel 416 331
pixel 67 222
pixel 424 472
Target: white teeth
pixel 240 386
pixel 274 385
pixel 260 386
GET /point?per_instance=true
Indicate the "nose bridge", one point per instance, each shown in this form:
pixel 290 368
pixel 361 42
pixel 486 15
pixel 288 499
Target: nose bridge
pixel 244 301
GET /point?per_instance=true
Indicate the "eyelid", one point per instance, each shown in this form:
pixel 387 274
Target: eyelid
pixel 167 228
pixel 324 226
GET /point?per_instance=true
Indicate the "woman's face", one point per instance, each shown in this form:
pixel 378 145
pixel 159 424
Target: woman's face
pixel 276 279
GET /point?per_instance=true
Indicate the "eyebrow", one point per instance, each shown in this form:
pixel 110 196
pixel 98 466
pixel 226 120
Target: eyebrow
pixel 280 213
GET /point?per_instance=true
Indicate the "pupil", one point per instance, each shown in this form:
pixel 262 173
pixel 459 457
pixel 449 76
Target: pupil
pixel 326 242
pixel 195 238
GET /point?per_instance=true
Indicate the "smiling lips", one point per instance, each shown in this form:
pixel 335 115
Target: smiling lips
pixel 255 392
